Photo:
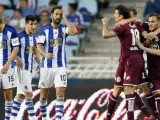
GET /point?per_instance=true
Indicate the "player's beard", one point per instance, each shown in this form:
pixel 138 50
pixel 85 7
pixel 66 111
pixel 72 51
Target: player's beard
pixel 56 21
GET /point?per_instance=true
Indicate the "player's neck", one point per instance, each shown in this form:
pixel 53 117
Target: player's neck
pixel 3 26
pixel 28 33
pixel 54 25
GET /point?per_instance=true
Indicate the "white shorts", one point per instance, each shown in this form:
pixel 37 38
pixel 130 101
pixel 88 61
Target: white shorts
pixel 53 76
pixel 8 80
pixel 24 79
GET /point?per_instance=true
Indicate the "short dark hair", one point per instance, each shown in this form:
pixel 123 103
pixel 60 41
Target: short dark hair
pixel 30 18
pixel 154 15
pixel 123 11
pixel 133 10
pixel 73 6
pixel 55 8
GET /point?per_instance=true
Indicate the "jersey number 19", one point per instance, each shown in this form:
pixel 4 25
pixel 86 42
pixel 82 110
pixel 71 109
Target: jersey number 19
pixel 135 36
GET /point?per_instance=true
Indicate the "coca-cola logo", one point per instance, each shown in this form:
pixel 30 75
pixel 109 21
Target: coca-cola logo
pixel 92 108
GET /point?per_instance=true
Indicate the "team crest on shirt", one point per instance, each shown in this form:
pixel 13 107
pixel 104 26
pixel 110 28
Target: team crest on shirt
pixel 3 45
pixel 154 45
pixel 56 42
pixel 156 39
pixel 28 49
pixel 118 79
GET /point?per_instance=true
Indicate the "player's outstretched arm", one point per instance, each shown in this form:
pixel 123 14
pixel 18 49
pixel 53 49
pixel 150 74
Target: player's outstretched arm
pixel 71 28
pixel 125 21
pixel 152 35
pixel 105 33
pixel 149 50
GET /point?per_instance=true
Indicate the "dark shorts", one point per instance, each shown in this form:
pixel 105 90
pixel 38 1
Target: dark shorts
pixel 133 74
pixel 156 85
pixel 145 78
pixel 118 82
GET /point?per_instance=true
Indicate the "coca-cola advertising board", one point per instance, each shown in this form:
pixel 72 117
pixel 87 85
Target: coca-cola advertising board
pixel 85 100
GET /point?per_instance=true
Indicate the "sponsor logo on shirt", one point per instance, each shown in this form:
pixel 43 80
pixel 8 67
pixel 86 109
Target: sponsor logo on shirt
pixel 56 42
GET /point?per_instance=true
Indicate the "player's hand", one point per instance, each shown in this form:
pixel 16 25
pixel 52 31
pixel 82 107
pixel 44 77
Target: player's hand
pixel 19 64
pixel 63 15
pixel 38 68
pixel 105 21
pixel 151 35
pixel 141 46
pixel 48 55
pixel 5 68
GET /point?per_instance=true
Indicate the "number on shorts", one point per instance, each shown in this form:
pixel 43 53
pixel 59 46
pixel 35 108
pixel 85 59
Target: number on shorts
pixel 135 36
pixel 63 77
pixel 11 79
pixel 143 75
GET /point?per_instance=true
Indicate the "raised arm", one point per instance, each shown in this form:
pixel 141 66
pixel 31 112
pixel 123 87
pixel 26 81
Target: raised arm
pixel 105 32
pixel 134 20
pixel 71 28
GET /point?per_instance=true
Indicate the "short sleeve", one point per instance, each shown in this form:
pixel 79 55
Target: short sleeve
pixel 41 38
pixel 119 30
pixel 14 39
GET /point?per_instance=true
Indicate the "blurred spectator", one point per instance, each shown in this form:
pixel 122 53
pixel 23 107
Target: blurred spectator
pixel 102 4
pixel 64 4
pixel 42 5
pixel 2 8
pixel 17 21
pixel 152 6
pixel 73 43
pixel 90 5
pixel 44 18
pixel 52 3
pixel 74 17
pixel 5 3
pixel 2 13
pixel 26 10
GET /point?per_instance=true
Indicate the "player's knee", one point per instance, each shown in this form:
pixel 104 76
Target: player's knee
pixel 129 89
pixel 8 94
pixel 117 91
pixel 145 88
pixel 20 96
pixel 28 95
pixel 60 92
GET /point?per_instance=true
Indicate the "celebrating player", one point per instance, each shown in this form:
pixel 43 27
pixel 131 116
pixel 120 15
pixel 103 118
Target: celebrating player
pixel 25 66
pixel 118 84
pixel 9 47
pixel 153 57
pixel 133 59
pixel 51 45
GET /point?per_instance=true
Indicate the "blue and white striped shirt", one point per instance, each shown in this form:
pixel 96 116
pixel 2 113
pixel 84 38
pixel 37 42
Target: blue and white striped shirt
pixel 53 41
pixel 26 49
pixel 8 40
